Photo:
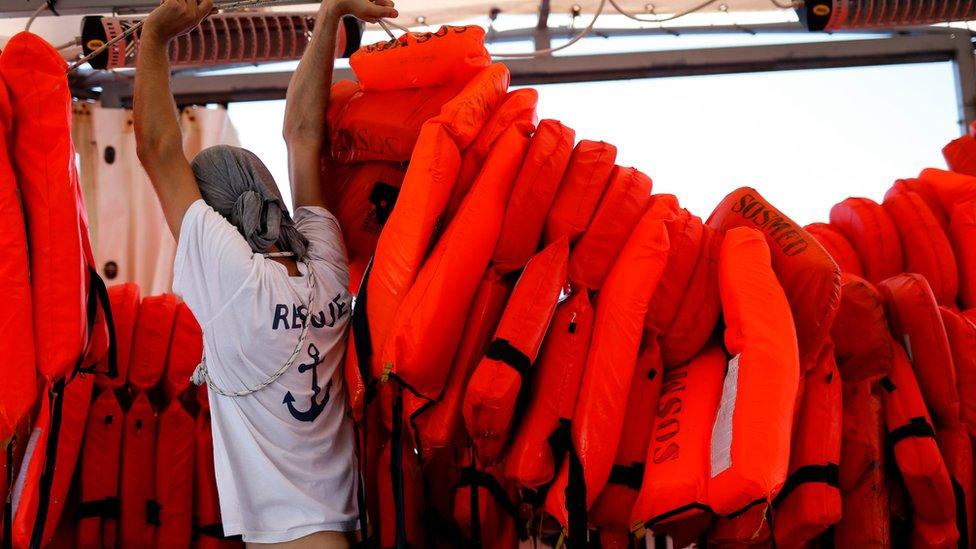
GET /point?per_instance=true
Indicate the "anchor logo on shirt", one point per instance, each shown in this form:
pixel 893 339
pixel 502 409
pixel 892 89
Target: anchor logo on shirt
pixel 315 407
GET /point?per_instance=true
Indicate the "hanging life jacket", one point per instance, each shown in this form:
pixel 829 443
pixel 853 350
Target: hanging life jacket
pixel 98 511
pixel 925 245
pixel 580 191
pixel 962 233
pixel 19 369
pixel 543 437
pixel 686 303
pixel 808 275
pixel 410 230
pixel 612 509
pixel 749 456
pixel 915 320
pixel 837 246
pixel 533 194
pixel 416 356
pixel 175 450
pixel 911 437
pixel 676 466
pixel 623 204
pixel 873 235
pixel 499 379
pixel 960 155
pixel 599 415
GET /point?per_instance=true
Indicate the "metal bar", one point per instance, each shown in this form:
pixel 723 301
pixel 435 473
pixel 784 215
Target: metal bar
pixel 659 64
pixel 541 35
pixel 964 64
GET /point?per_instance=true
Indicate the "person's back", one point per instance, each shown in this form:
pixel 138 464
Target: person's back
pixel 269 293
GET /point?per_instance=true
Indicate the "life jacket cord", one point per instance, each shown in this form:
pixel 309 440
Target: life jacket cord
pixel 396 469
pixel 363 349
pixel 576 502
pixel 50 461
pixel 8 515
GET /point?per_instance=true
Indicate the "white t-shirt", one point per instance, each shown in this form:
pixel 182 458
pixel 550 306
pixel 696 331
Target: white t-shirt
pixel 284 455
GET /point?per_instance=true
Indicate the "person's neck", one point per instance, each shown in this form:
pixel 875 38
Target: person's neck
pixel 288 262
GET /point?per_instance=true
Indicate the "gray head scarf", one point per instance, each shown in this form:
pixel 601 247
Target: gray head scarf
pixel 237 184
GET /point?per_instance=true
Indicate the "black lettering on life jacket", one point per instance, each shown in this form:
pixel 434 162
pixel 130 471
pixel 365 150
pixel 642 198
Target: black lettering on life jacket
pixel 668 426
pixel 667 453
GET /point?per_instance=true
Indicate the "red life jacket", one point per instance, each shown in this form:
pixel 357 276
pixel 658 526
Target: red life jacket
pixel 582 187
pixel 175 448
pixel 623 204
pixel 492 392
pixel 872 233
pixel 98 512
pixel 837 246
pixel 598 419
pixel 542 438
pixel 533 195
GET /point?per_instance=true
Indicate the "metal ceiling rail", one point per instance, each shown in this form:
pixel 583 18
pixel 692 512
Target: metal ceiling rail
pixel 957 47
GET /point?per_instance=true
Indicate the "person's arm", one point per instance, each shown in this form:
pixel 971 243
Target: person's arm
pixel 159 143
pixel 308 96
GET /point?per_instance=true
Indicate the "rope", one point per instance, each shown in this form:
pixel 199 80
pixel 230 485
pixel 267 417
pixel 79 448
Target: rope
pixel 582 34
pixel 202 375
pixel 636 17
pixel 34 15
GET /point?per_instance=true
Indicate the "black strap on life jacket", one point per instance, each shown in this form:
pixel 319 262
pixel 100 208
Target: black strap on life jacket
pixel 153 512
pixel 105 508
pixel 576 502
pixel 46 481
pixel 503 351
pixel 917 427
pixel 828 474
pixel 962 521
pixel 677 511
pixel 364 353
pixel 476 479
pixel 98 297
pixel 630 476
pixel 396 470
pixel 8 515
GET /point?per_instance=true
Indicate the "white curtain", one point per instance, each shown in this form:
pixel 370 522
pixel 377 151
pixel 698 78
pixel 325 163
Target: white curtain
pixel 129 232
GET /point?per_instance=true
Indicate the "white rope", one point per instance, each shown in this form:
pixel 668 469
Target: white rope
pixel 201 375
pixel 672 17
pixel 579 36
pixel 34 15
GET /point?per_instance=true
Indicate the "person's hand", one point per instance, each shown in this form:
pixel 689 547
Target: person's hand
pixel 174 17
pixel 367 10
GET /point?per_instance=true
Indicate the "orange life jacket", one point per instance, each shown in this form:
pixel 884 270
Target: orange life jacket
pixel 623 204
pixel 582 187
pixel 442 425
pixel 150 342
pixel 871 231
pixel 864 520
pixel 685 306
pixel 926 247
pixel 533 195
pixel 492 392
pixel 912 438
pixel 175 451
pixel 915 321
pixel 125 299
pixel 676 466
pixel 418 357
pixel 518 108
pixel 962 233
pixel 807 274
pixel 98 511
pixel 837 246
pixel 543 436
pixel 19 370
pixel 138 473
pixel 612 357
pixel 751 435
pixel 960 155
